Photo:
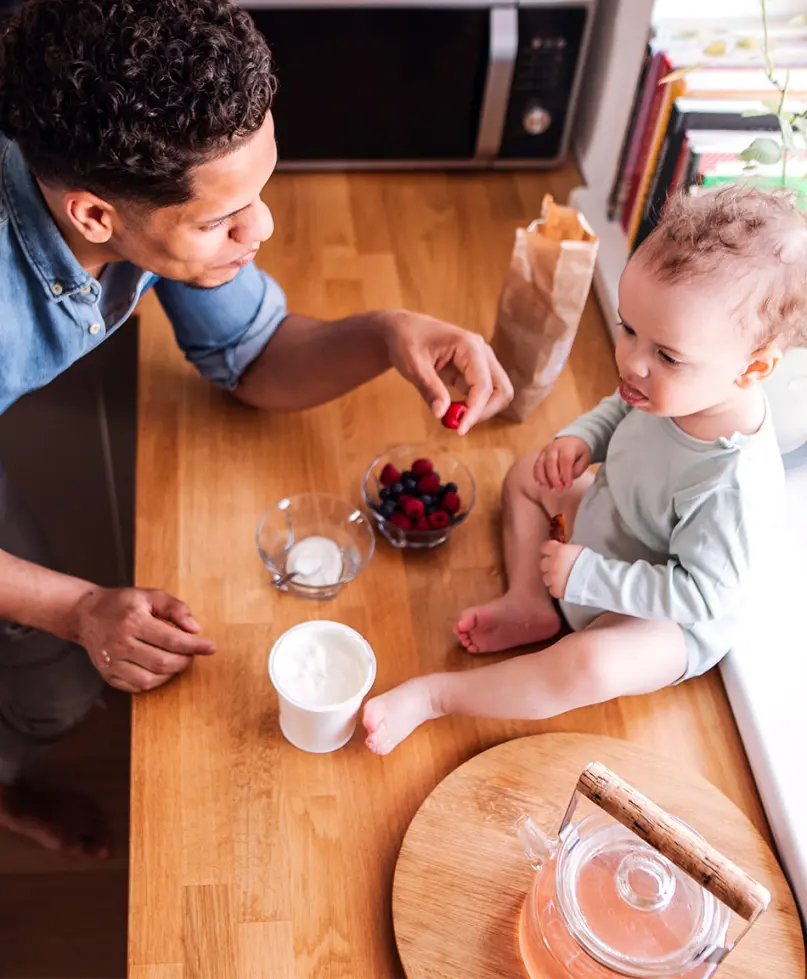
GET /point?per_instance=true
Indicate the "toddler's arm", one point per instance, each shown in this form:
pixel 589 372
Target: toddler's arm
pixel 701 581
pixel 597 426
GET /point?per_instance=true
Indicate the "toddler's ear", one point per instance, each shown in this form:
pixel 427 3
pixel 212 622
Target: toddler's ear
pixel 763 363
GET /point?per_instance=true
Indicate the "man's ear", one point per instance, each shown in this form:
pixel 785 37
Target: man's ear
pixel 91 216
pixel 763 363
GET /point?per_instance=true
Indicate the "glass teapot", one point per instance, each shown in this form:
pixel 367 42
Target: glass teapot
pixel 628 891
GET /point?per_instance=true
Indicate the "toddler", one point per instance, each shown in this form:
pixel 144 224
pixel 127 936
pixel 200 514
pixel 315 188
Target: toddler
pixel 663 539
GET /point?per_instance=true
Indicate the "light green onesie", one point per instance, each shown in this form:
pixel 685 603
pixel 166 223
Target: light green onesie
pixel 672 527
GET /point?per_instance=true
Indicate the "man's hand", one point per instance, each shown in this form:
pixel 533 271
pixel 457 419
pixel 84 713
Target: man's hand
pixel 557 561
pixel 138 638
pixel 562 462
pixel 434 355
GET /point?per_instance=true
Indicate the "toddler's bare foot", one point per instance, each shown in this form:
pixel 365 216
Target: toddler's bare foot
pixel 64 822
pixel 394 715
pixel 506 622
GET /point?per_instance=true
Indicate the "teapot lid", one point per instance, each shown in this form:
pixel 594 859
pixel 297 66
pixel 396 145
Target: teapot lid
pixel 629 907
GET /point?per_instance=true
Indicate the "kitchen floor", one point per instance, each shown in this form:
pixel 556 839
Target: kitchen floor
pixel 61 917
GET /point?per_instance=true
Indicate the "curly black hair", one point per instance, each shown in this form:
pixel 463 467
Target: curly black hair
pixel 125 97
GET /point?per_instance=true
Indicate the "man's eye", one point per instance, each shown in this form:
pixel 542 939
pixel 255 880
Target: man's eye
pixel 628 329
pixel 213 226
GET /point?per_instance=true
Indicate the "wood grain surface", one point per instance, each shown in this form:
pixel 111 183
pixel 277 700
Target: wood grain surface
pixel 462 876
pixel 250 859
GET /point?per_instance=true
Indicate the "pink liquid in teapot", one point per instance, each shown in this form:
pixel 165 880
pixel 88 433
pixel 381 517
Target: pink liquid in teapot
pixel 550 951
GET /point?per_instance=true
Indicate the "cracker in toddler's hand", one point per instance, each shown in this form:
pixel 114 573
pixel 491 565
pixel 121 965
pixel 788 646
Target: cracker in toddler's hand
pixel 557 529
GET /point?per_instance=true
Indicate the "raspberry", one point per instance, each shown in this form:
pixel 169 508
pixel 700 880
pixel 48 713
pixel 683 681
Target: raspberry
pixel 455 414
pixel 389 475
pixel 414 509
pixel 429 484
pixel 422 467
pixel 422 523
pixel 439 519
pixel 400 520
pixel 450 502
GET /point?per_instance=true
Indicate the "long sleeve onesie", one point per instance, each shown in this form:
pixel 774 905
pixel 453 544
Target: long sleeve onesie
pixel 672 527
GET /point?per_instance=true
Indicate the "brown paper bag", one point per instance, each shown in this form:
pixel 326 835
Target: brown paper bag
pixel 542 301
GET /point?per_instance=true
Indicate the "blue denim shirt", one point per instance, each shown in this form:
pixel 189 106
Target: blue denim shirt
pixel 52 311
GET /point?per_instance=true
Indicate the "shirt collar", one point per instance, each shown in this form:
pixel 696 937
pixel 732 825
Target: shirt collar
pixel 55 265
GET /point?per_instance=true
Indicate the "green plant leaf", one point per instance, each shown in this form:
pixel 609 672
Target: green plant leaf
pixel 716 49
pixel 748 113
pixel 799 21
pixel 772 104
pixel 747 43
pixel 763 150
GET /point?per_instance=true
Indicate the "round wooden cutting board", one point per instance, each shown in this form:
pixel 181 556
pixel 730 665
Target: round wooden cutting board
pixel 461 877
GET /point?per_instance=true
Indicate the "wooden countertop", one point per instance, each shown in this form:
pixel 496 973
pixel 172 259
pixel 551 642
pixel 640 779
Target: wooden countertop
pixel 250 859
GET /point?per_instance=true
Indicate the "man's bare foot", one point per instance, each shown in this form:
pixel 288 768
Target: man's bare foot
pixel 506 622
pixel 63 822
pixel 394 715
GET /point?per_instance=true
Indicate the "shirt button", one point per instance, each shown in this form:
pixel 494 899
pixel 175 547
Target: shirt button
pixel 84 290
pixel 95 328
pixel 57 288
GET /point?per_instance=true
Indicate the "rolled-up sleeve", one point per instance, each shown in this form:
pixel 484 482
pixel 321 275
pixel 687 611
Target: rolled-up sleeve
pixel 222 330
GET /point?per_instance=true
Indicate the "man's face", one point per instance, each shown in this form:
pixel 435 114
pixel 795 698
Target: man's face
pixel 205 241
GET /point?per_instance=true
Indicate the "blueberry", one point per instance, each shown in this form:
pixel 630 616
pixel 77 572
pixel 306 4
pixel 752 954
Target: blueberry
pixel 449 488
pixel 384 494
pixel 428 500
pixel 387 509
pixel 430 509
pixel 410 485
pixel 408 475
pixel 394 491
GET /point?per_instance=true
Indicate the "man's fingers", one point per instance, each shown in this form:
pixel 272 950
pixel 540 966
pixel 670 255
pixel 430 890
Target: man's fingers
pixel 472 361
pixel 165 636
pixel 133 678
pixel 154 659
pixel 167 607
pixel 431 387
pixel 502 392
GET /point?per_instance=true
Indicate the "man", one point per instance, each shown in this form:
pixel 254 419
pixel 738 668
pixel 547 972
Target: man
pixel 139 139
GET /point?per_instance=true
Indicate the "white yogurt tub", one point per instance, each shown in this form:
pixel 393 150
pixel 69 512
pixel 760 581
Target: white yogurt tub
pixel 322 671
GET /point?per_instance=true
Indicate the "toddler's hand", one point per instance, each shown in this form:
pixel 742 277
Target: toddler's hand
pixel 557 561
pixel 561 462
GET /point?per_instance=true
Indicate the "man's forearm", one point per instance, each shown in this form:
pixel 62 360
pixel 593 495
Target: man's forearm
pixel 38 597
pixel 309 362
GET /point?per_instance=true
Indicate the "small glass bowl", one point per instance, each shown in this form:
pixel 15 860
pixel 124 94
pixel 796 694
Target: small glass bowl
pixel 450 469
pixel 314 514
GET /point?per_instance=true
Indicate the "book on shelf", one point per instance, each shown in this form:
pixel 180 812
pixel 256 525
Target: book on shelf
pixel 687 133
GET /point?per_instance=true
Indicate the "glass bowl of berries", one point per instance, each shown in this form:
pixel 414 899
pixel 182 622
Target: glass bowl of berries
pixel 418 496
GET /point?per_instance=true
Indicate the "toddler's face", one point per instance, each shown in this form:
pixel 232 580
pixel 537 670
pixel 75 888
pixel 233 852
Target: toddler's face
pixel 680 349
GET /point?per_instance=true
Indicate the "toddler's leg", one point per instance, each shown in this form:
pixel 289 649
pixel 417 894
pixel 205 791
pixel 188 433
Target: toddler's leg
pixel 616 656
pixel 525 613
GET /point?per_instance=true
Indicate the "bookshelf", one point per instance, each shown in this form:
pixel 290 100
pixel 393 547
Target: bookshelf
pixel 612 74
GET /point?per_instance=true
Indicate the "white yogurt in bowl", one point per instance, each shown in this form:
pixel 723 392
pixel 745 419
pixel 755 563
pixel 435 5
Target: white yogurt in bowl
pixel 316 561
pixel 322 671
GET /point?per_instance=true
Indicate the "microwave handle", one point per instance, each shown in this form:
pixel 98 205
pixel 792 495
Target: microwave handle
pixel 496 96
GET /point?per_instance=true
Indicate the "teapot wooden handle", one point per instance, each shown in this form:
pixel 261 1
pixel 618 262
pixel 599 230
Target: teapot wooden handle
pixel 675 841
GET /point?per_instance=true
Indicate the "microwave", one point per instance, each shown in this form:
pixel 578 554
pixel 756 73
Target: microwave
pixel 365 84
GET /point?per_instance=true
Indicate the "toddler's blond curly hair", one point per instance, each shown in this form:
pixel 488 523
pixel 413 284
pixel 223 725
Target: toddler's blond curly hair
pixel 752 242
